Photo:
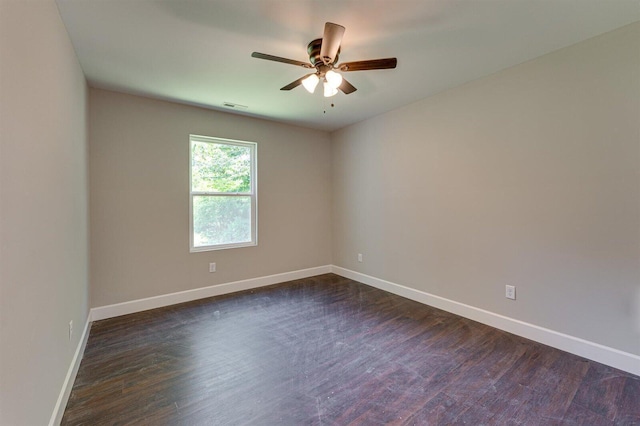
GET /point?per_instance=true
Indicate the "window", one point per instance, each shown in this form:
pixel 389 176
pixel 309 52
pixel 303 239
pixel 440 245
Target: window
pixel 223 194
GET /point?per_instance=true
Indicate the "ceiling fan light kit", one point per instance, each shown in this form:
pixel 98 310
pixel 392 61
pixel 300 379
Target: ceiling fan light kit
pixel 311 82
pixel 333 78
pixel 323 56
pixel 329 90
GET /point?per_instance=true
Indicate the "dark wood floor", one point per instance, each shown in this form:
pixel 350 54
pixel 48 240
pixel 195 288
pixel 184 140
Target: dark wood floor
pixel 330 351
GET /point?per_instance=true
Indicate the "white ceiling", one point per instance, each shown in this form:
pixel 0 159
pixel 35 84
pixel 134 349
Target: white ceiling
pixel 198 52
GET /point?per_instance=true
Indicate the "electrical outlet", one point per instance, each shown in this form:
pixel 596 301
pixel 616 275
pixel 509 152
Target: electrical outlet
pixel 212 267
pixel 510 292
pixel 70 329
pixel 359 257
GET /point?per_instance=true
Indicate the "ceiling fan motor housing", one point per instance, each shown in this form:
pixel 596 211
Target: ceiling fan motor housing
pixel 313 49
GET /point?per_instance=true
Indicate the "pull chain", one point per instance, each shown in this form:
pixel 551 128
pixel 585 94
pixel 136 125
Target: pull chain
pixel 324 105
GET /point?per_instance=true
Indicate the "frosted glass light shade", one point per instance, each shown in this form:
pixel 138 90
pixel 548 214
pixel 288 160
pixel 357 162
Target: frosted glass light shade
pixel 328 90
pixel 334 79
pixel 310 83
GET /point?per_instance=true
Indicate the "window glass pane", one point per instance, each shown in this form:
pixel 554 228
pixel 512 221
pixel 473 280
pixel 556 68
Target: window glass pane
pixel 220 167
pixel 221 220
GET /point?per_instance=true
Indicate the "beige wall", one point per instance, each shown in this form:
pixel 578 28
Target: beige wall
pixel 529 177
pixel 43 209
pixel 139 185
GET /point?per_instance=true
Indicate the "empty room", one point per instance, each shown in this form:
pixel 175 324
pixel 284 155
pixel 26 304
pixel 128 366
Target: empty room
pixel 278 212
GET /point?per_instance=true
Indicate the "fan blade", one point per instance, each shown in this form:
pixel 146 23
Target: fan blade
pixel 331 42
pixel 347 87
pixel 279 59
pixel 372 64
pixel 296 83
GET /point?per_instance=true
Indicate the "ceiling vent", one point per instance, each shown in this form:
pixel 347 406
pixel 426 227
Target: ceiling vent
pixel 234 106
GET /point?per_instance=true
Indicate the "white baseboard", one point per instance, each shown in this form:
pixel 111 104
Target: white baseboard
pixel 65 392
pixel 124 308
pixel 596 352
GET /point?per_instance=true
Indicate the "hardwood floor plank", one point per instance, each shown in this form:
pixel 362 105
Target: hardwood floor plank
pixel 628 409
pixel 330 351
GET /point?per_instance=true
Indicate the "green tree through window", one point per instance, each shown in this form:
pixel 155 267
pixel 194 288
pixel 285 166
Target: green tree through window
pixel 223 193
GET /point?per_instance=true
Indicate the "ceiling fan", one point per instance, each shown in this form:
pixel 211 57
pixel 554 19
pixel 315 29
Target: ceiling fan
pixel 323 55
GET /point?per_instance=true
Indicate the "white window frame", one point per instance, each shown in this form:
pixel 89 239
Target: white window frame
pixel 253 148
